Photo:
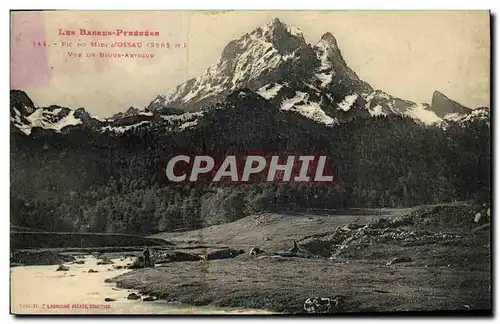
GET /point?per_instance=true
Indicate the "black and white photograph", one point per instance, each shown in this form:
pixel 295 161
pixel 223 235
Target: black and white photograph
pixel 250 162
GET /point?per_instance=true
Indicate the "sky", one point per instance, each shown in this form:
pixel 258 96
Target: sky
pixel 406 54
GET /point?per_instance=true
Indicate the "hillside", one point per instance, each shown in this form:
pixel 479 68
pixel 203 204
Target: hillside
pixel 425 258
pixel 272 230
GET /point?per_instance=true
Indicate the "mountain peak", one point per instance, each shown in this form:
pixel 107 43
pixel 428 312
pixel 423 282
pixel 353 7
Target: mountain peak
pixel 329 38
pixel 276 29
pixel 275 22
pixel 439 95
pixel 132 111
pixel 443 105
pixel 22 102
pixel 272 54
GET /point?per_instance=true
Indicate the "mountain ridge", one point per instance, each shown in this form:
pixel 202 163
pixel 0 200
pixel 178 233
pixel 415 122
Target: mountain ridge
pixel 319 71
pixel 273 61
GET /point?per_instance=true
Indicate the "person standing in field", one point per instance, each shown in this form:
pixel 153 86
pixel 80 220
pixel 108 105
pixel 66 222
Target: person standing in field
pixel 147 257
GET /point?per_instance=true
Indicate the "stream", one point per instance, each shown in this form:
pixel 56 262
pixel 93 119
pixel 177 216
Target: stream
pixel 43 290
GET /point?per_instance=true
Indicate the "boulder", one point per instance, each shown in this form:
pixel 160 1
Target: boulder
pixel 139 263
pixel 109 299
pixel 79 262
pixel 62 268
pixel 105 260
pixel 379 223
pixel 92 271
pixel 150 298
pixel 255 251
pixel 133 296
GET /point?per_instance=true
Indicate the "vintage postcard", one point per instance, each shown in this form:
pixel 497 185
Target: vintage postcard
pixel 250 162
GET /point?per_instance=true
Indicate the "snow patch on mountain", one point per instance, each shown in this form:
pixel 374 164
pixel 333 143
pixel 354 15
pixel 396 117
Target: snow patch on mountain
pixel 347 102
pixel 17 120
pixel 184 121
pixel 478 114
pixel 17 116
pixel 288 57
pixel 310 109
pixel 481 113
pixel 455 117
pixel 174 122
pixel 256 60
pixel 103 120
pixel 269 91
pixel 376 111
pixel 294 31
pixel 48 119
pixel 183 117
pixel 188 124
pixel 26 129
pixel 379 102
pixel 288 103
pixel 378 94
pixel 420 112
pixel 123 129
pixel 325 79
pixel 192 93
